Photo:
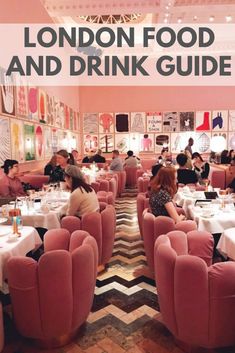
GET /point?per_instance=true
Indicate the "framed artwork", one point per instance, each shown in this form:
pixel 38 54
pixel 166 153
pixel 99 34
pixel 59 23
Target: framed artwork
pixel 42 107
pixel 202 142
pixel 66 117
pixel 180 140
pixel 90 123
pixel 122 122
pixel 54 140
pixel 22 107
pixel 33 103
pixel 203 121
pixel 62 117
pixel 7 94
pixel 161 140
pixel 47 142
pixel 90 143
pixel 154 122
pixel 231 120
pixel 138 122
pixel 5 146
pixel 186 121
pixel 134 142
pixel 219 120
pixel 29 142
pixel 223 134
pixel 76 121
pixel 106 143
pixel 39 142
pixel 17 140
pixel 50 109
pixel 170 122
pixel 62 139
pixel 71 126
pixel 57 120
pixel 147 143
pixel 73 143
pixel 231 141
pixel 106 123
pixel 122 143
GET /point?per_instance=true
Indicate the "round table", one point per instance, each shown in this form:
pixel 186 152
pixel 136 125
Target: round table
pixel 226 244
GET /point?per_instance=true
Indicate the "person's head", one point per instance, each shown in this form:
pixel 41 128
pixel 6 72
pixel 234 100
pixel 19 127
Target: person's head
pixel 115 153
pixel 53 160
pixel 11 167
pixel 130 153
pixel 73 179
pixel 155 169
pixel 99 152
pixel 62 158
pixel 75 154
pixel 190 141
pixel 165 180
pixel 164 152
pixel 197 157
pixel 181 159
pixel 71 159
pixel 231 154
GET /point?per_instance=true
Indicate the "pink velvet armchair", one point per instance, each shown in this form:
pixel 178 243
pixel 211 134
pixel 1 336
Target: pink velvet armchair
pixel 52 298
pixel 197 302
pixel 155 226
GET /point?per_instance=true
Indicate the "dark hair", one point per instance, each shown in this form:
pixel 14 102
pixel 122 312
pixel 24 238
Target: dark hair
pixel 63 153
pixel 79 183
pixel 52 161
pixel 130 153
pixel 165 149
pixel 165 180
pixel 71 160
pixel 8 164
pixel 155 169
pixel 115 151
pixel 230 153
pixel 197 155
pixel 181 159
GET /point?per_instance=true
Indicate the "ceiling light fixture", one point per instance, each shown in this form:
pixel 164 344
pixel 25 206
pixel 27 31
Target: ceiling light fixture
pixel 195 18
pixel 179 20
pixel 228 18
pixel 212 18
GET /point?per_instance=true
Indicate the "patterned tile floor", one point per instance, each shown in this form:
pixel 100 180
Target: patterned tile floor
pixel 125 315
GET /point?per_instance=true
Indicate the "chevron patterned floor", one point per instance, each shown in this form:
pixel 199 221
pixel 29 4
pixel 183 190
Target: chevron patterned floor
pixel 125 315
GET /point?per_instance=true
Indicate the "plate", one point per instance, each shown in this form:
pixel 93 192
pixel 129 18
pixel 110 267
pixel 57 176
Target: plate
pixel 4 231
pixel 3 219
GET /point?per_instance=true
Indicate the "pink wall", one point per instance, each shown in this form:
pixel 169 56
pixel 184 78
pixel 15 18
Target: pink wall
pixel 114 99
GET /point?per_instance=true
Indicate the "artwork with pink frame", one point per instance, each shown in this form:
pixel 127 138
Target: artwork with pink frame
pixel 154 121
pixel 106 123
pixel 42 107
pixel 39 142
pixel 33 103
pixel 17 140
pixel 22 107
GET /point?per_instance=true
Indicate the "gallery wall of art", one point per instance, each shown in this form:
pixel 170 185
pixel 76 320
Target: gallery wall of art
pixel 145 119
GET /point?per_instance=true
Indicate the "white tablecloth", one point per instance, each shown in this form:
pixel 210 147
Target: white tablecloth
pixel 218 223
pixel 226 244
pixel 185 200
pixel 29 240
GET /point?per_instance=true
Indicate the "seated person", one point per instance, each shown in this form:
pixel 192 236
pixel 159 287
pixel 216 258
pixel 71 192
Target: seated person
pixel 83 199
pixel 184 175
pixel 131 160
pixel 75 155
pixel 224 158
pixel 50 167
pixel 165 157
pixel 155 170
pixel 201 168
pixel 11 186
pixel 97 158
pixel 163 189
pixel 232 157
pixel 116 164
pixel 231 186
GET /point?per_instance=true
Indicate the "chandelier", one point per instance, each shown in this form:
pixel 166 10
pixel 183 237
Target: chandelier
pixel 111 19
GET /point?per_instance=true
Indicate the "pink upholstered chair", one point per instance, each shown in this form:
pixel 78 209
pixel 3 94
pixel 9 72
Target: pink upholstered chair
pixel 131 176
pixel 107 197
pixel 197 302
pixel 36 181
pixel 57 291
pixel 121 182
pixel 153 226
pixel 142 204
pixel 139 173
pixel 143 184
pixel 100 225
pixel 217 179
pixel 1 329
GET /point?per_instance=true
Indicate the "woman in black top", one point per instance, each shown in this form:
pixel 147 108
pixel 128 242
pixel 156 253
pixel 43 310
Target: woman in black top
pixel 201 168
pixel 224 158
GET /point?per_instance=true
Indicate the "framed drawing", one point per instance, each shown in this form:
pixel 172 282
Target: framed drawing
pixel 231 141
pixel 7 94
pixel 90 143
pixel 231 125
pixel 50 109
pixel 5 146
pixel 39 142
pixel 33 103
pixel 57 120
pixel 147 143
pixel 122 122
pixel 138 122
pixel 220 120
pixel 90 123
pixel 66 117
pixel 202 142
pixel 223 134
pixel 71 120
pixel 161 140
pixel 47 142
pixel 134 142
pixel 106 143
pixel 180 140
pixel 122 143
pixel 17 140
pixel 186 121
pixel 203 121
pixel 22 108
pixel 29 142
pixel 154 121
pixel 106 123
pixel 54 140
pixel 42 107
pixel 170 122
